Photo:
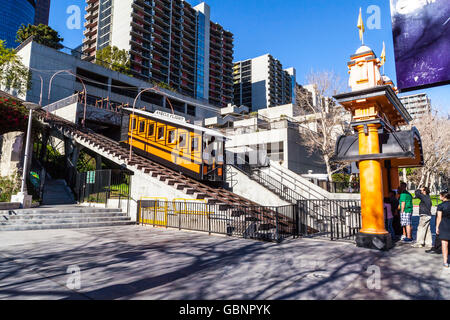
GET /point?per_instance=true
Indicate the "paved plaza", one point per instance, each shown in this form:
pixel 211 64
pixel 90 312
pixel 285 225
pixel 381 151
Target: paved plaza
pixel 135 262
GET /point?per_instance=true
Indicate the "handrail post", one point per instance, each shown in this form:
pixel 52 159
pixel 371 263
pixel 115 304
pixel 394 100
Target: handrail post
pixel 179 219
pixel 209 219
pixel 276 227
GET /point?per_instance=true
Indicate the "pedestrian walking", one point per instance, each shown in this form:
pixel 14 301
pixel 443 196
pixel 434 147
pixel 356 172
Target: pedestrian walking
pixel 406 211
pixel 443 225
pixel 388 217
pixel 424 237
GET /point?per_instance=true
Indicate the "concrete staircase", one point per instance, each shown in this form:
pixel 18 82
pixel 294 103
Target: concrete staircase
pixel 56 192
pixel 63 217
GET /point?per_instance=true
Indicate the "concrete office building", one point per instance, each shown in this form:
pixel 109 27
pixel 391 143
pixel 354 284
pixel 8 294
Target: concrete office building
pixel 12 15
pixel 169 41
pixel 263 83
pixel 100 82
pixel 42 12
pixel 417 105
pixel 276 134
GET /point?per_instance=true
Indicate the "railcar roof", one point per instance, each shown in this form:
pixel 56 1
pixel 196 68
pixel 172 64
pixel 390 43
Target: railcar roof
pixel 176 122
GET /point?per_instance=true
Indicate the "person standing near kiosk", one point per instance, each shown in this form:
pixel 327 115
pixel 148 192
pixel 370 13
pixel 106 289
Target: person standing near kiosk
pixel 406 211
pixel 424 237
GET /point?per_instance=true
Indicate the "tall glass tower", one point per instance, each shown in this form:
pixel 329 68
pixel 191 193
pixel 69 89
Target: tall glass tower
pixel 12 15
pixel 42 12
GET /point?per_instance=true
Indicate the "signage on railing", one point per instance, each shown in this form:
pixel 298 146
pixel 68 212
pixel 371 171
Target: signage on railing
pixel 90 177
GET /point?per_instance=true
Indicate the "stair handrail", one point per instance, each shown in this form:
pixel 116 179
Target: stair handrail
pixel 61 103
pixel 284 174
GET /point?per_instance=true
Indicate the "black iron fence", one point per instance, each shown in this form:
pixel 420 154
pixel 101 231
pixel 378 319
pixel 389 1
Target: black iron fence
pixel 332 219
pixel 101 186
pixel 256 222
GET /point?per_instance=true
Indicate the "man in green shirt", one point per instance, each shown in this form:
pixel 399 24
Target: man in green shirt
pixel 406 211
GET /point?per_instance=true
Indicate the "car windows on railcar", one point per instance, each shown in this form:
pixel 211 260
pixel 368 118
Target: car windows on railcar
pixel 172 137
pixel 151 130
pixel 161 133
pixel 141 126
pixel 182 140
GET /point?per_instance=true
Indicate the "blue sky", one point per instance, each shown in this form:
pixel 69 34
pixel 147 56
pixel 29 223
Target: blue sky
pixel 305 34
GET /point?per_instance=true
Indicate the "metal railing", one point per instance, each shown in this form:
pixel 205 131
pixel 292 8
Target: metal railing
pixel 61 103
pixel 336 219
pixel 332 219
pixel 102 185
pixel 276 186
pixel 293 181
pixel 254 222
pixel 103 104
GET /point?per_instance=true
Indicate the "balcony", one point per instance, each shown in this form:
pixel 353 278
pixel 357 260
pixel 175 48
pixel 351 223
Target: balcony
pixel 162 29
pixel 89 41
pixel 146 11
pixel 188 78
pixel 162 21
pixel 142 25
pixel 88 49
pixel 92 5
pixel 187 67
pixel 161 11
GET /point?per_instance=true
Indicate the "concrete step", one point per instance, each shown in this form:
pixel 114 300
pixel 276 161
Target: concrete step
pixel 56 192
pixel 61 216
pixel 62 220
pixel 66 226
pixel 42 210
pixel 46 217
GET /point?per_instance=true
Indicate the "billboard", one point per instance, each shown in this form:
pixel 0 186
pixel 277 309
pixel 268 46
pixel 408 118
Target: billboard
pixel 421 32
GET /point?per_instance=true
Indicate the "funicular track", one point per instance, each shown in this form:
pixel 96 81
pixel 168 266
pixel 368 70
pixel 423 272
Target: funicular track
pixel 225 199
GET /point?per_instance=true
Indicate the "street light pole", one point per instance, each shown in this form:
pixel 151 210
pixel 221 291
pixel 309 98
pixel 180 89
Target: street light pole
pixel 84 88
pixel 22 197
pixel 42 89
pixel 27 148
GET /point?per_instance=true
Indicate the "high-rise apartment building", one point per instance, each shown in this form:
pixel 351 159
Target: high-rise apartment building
pixel 263 83
pixel 169 41
pixel 12 15
pixel 417 105
pixel 42 12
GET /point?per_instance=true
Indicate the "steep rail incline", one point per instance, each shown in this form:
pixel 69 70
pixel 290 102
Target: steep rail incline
pixel 99 143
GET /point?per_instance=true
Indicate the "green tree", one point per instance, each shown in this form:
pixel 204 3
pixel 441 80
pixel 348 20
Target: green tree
pixel 13 74
pixel 164 86
pixel 115 59
pixel 42 34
